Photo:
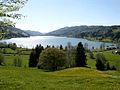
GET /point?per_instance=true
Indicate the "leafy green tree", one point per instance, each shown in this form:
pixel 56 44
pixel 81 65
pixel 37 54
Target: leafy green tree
pixel 13 46
pixel 52 59
pixel 81 60
pixel 17 61
pixel 8 10
pixel 71 52
pixel 101 62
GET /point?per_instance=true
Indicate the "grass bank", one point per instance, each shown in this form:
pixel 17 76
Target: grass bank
pixel 12 78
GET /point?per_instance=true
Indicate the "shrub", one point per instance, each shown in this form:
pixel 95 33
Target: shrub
pixel 17 61
pixel 52 59
pixel 71 52
pixel 108 66
pixel 13 46
pixel 100 62
pixel 113 68
pixel 91 55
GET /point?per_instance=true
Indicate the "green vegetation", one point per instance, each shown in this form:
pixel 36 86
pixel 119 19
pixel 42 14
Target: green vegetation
pixel 34 56
pixel 101 62
pixel 8 11
pixel 15 63
pixel 80 59
pixel 1 59
pixel 12 78
pixel 52 59
pixel 99 33
pixel 11 32
pixel 114 59
pixel 16 74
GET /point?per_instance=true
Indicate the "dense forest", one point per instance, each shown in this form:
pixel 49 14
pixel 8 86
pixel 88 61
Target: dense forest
pixel 101 33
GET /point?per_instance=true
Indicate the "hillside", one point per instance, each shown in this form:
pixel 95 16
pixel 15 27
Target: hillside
pixel 33 33
pixel 77 78
pixel 12 78
pixel 12 32
pixel 112 33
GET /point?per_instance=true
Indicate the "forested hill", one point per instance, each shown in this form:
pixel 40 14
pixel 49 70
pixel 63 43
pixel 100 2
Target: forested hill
pixel 102 33
pixel 11 32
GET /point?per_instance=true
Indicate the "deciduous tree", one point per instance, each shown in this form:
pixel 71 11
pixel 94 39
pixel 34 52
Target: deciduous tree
pixel 52 59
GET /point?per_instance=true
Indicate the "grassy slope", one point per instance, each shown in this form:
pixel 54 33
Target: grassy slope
pixel 24 78
pixel 12 78
pixel 114 59
pixel 9 60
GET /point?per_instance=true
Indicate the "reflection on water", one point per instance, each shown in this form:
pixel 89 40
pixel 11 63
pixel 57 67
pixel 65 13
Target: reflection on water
pixel 32 41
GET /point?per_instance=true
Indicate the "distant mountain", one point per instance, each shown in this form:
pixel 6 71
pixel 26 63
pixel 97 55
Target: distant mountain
pixel 12 32
pixel 33 33
pixel 111 33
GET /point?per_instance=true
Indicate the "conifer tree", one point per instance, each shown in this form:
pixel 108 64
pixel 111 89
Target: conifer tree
pixel 61 47
pixel 80 56
pixel 34 56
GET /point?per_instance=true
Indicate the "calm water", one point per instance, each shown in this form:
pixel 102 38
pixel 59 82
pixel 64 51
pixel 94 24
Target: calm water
pixel 32 41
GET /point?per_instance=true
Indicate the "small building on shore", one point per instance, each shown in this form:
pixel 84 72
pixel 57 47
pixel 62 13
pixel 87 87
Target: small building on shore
pixel 111 47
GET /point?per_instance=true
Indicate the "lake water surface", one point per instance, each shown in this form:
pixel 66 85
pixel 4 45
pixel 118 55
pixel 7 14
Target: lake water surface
pixel 32 41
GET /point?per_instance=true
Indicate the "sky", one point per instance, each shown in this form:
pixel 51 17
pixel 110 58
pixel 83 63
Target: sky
pixel 49 15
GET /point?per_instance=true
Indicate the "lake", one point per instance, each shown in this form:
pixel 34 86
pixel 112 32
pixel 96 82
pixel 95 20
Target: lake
pixel 32 41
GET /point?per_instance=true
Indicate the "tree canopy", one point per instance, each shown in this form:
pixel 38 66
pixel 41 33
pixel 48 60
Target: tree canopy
pixel 8 10
pixel 52 59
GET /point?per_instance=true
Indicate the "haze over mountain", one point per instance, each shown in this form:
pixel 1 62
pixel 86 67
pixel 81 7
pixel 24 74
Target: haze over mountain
pixel 13 32
pixel 33 33
pixel 101 33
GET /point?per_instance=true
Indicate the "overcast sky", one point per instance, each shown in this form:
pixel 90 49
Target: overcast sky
pixel 49 15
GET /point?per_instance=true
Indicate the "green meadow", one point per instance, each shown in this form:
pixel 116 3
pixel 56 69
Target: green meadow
pixel 78 78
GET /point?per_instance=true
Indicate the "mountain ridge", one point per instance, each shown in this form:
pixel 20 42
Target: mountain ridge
pixel 33 33
pixel 11 32
pixel 112 33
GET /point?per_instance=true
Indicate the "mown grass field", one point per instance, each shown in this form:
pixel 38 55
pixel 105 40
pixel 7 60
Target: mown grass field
pixel 25 78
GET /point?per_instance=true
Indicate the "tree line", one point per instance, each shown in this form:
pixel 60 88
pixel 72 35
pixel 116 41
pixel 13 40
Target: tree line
pixel 51 58
pixel 56 58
